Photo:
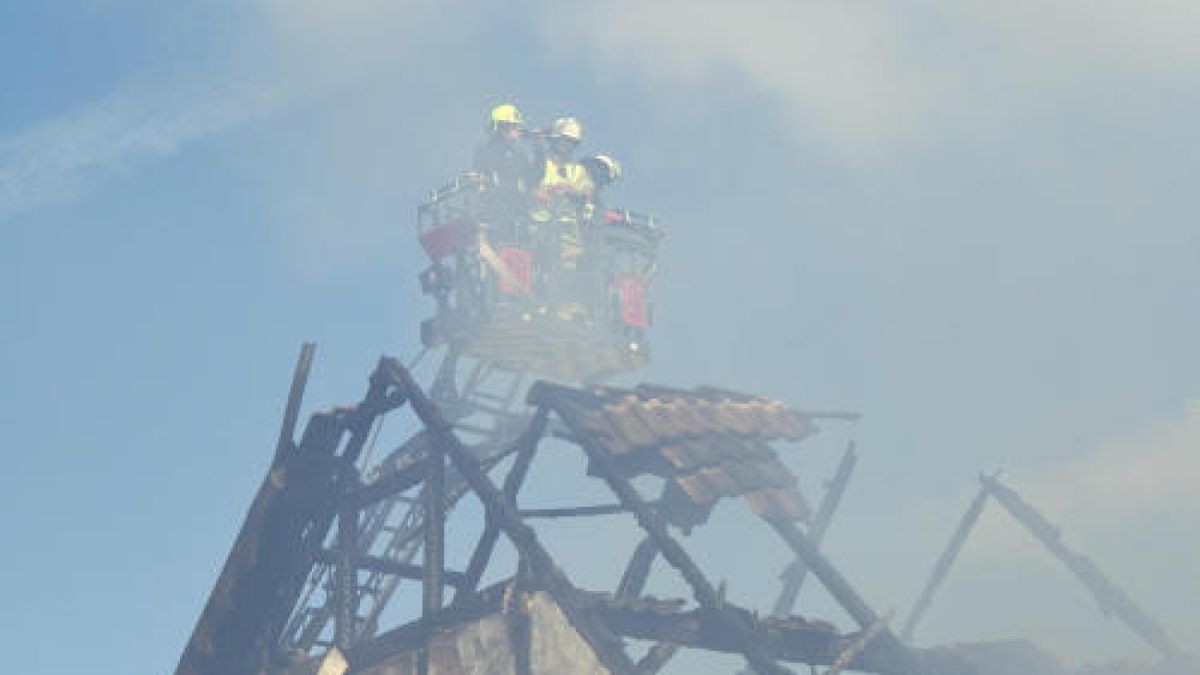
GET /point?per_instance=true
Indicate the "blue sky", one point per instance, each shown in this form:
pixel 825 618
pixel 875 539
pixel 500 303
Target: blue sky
pixel 976 224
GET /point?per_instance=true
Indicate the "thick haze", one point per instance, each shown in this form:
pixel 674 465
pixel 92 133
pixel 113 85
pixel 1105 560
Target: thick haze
pixel 974 222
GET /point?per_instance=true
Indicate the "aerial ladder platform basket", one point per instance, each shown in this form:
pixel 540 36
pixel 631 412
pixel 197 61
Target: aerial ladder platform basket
pixel 564 299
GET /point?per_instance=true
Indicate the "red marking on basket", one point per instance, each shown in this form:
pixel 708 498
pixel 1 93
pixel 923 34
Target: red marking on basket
pixel 632 294
pixel 519 262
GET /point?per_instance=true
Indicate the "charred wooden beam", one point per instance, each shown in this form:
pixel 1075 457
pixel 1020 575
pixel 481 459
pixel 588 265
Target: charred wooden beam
pixel 942 567
pixel 235 631
pixel 704 629
pixel 415 634
pixel 527 447
pixel 860 643
pixel 788 639
pixel 291 412
pixel 382 396
pixel 314 470
pixel 657 657
pixel 841 590
pixel 519 622
pixel 575 511
pixel 1109 596
pixel 607 648
pixel 793 576
pixel 638 569
pixel 633 580
pixel 655 526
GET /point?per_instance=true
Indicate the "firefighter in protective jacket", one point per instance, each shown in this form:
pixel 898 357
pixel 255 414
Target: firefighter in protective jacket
pixel 508 157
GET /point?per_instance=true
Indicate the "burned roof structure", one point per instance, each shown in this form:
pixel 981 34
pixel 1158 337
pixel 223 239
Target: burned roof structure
pixel 299 590
pixel 1111 599
pixel 312 508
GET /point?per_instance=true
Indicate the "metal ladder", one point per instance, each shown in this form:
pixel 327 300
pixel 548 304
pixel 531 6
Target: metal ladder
pixel 486 410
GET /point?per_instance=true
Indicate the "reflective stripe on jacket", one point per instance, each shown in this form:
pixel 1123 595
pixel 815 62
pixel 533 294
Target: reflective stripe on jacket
pixel 566 178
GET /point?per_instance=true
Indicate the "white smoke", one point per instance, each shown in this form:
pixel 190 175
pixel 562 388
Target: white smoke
pixel 872 76
pixel 133 127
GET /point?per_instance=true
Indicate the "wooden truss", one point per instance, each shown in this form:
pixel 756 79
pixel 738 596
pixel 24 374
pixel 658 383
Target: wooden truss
pixel 706 444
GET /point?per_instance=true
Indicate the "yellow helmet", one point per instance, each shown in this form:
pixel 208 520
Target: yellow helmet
pixel 610 165
pixel 567 127
pixel 506 113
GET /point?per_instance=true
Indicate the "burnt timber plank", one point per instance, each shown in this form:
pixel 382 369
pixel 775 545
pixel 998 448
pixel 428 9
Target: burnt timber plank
pixel 606 647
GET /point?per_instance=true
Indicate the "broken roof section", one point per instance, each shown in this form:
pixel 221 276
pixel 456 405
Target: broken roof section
pixel 720 437
pixel 707 443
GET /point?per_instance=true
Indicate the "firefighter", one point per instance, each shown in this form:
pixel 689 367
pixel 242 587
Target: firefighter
pixel 562 174
pixel 508 157
pixel 565 184
pixel 602 171
pixel 511 161
pixel 565 187
pixel 559 204
pixel 565 135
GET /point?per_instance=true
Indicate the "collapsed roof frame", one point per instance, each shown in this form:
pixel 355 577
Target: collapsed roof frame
pixel 313 487
pixel 1110 598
